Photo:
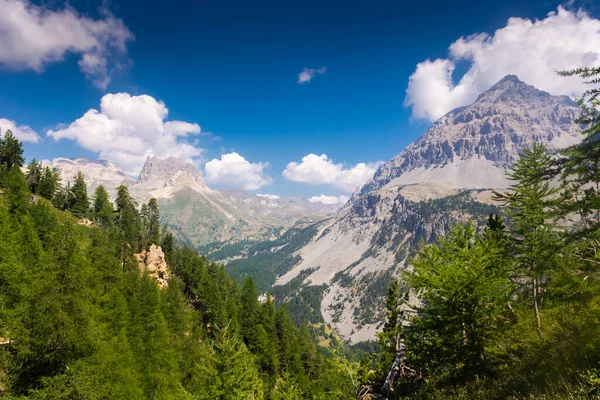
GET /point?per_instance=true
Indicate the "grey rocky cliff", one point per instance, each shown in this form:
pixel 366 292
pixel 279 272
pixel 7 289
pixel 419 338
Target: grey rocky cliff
pixel 166 170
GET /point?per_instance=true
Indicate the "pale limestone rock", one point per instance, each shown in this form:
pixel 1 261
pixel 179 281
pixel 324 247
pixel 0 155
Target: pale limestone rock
pixel 153 262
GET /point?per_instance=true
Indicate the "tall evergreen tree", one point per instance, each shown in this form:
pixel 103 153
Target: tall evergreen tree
pixel 531 203
pixel 463 283
pixel 34 175
pixel 49 183
pixel 11 152
pixel 153 222
pixel 81 204
pixel 393 330
pixel 103 208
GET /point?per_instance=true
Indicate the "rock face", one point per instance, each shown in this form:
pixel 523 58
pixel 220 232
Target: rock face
pixel 441 179
pixel 471 147
pixel 156 170
pixel 153 262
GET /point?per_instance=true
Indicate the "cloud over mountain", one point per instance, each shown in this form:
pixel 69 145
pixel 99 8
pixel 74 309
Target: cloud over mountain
pixel 321 170
pixel 127 129
pixel 31 37
pixel 234 171
pixel 533 50
pixel 324 199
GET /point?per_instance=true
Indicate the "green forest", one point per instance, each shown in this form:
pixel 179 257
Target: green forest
pixel 78 320
pixel 509 311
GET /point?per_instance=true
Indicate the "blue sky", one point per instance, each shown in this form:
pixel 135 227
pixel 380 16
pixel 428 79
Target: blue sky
pixel 232 67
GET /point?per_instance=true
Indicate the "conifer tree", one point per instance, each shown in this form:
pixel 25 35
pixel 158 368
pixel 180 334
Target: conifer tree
pixel 235 375
pixel 103 208
pixel 11 152
pixel 249 312
pixel 463 284
pixel 49 183
pixel 17 192
pixel 33 176
pixel 531 203
pixel 80 204
pixel 389 338
pixel 153 222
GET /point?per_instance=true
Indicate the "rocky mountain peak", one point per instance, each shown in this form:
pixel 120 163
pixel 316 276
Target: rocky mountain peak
pixel 472 146
pixel 168 170
pixel 512 91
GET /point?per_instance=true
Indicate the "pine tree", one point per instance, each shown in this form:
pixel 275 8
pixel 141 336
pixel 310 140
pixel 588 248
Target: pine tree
pixel 236 376
pixel 463 283
pixel 17 192
pixel 531 203
pixel 393 331
pixel 103 208
pixel 249 313
pixel 80 205
pixel 153 222
pixel 11 152
pixel 49 183
pixel 33 176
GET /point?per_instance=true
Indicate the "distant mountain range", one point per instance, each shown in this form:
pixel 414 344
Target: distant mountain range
pixel 196 213
pixel 336 265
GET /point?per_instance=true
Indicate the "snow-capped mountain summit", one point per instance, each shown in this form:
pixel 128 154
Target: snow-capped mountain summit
pixel 472 146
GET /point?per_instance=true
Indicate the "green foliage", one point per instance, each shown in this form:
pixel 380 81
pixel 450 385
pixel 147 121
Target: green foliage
pixel 49 183
pixel 11 152
pixel 103 209
pixel 80 204
pixel 464 285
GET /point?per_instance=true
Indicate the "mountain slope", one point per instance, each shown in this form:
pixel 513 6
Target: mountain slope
pixel 437 181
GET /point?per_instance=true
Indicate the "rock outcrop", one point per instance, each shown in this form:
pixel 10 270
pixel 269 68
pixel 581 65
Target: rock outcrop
pixel 153 262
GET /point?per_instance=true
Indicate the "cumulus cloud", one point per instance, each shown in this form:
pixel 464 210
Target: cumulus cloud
pixel 308 73
pixel 233 170
pixel 127 129
pixel 269 196
pixel 21 132
pixel 320 170
pixel 532 50
pixel 329 200
pixel 31 37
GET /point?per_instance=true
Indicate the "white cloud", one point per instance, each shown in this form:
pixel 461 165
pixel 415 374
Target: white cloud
pixel 269 196
pixel 233 170
pixel 320 170
pixel 31 37
pixel 308 73
pixel 127 129
pixel 21 132
pixel 532 50
pixel 329 200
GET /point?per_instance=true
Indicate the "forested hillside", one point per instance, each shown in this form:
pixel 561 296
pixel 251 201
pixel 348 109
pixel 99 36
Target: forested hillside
pixel 79 320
